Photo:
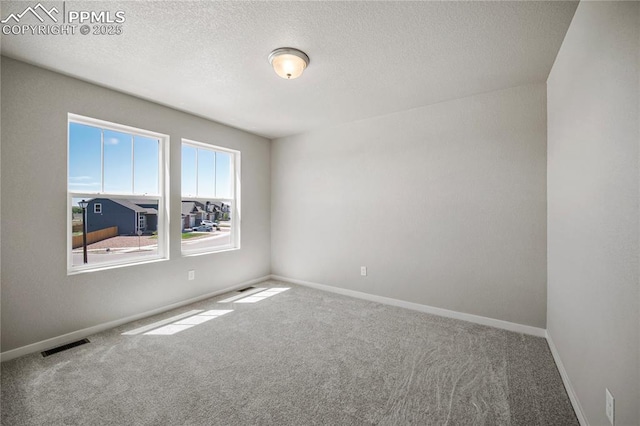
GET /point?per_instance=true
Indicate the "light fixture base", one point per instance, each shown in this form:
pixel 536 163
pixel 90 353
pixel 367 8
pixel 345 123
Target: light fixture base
pixel 289 63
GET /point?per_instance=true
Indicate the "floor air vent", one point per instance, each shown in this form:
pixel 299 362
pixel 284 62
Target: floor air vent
pixel 245 289
pixel 64 347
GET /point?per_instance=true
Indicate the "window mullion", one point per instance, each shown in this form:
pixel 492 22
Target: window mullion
pixel 197 175
pixel 133 162
pixel 215 174
pixel 101 161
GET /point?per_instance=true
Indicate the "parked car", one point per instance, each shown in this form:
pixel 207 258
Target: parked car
pixel 210 223
pixel 203 228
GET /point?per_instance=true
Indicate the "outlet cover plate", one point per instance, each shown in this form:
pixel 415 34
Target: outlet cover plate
pixel 363 271
pixel 192 275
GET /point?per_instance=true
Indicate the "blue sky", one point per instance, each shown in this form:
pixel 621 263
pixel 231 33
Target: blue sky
pixel 131 165
pixel 207 171
pixel 85 168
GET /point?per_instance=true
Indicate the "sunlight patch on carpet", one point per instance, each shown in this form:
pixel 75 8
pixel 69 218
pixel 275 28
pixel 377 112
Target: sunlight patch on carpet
pixel 262 295
pixel 162 322
pixel 187 323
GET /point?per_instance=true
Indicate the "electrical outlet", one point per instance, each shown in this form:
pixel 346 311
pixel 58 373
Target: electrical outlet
pixel 610 406
pixel 363 271
pixel 192 275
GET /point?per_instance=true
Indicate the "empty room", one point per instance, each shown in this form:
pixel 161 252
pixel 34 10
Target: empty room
pixel 320 213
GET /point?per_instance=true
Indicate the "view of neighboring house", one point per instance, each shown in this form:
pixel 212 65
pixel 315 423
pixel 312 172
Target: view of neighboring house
pixel 194 212
pixel 128 215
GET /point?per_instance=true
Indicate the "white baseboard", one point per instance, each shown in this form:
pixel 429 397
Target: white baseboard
pixel 505 325
pixel 575 402
pixel 81 334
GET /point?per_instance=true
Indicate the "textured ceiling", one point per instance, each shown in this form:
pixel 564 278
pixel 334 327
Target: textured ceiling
pixel 367 58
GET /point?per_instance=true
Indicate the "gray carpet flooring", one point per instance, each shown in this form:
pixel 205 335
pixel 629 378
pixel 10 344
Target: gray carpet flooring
pixel 300 357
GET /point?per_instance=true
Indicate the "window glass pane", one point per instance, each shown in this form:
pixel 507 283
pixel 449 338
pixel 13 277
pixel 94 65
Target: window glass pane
pixel 112 230
pixel 207 222
pixel 223 175
pixel 117 162
pixel 85 158
pixel 206 225
pixel 188 171
pixel 206 173
pixel 145 153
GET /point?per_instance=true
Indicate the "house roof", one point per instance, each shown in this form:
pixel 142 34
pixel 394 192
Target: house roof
pixel 189 207
pixel 135 207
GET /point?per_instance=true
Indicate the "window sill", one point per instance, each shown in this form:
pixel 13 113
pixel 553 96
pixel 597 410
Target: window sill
pixel 200 253
pixel 114 266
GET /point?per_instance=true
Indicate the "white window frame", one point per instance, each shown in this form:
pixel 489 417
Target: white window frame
pixel 142 222
pixel 97 208
pixel 234 201
pixel 162 197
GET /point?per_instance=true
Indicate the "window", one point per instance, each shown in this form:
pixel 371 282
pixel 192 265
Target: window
pixel 118 174
pixel 210 219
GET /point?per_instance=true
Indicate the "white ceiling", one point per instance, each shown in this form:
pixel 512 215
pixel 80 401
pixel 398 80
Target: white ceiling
pixel 367 58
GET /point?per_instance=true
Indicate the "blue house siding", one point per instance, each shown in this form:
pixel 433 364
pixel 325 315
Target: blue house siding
pixel 115 214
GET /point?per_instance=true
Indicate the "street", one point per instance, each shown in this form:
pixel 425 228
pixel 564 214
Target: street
pixel 118 254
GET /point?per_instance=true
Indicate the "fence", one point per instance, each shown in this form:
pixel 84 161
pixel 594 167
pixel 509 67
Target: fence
pixel 95 236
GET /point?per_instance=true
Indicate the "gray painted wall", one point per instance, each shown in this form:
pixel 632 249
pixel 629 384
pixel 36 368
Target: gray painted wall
pixel 445 204
pixel 39 300
pixel 593 232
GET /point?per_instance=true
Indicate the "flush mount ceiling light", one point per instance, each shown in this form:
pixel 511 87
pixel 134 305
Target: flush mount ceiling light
pixel 288 63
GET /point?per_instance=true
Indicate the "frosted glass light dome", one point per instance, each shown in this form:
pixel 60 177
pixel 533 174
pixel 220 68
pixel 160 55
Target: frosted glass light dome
pixel 288 63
